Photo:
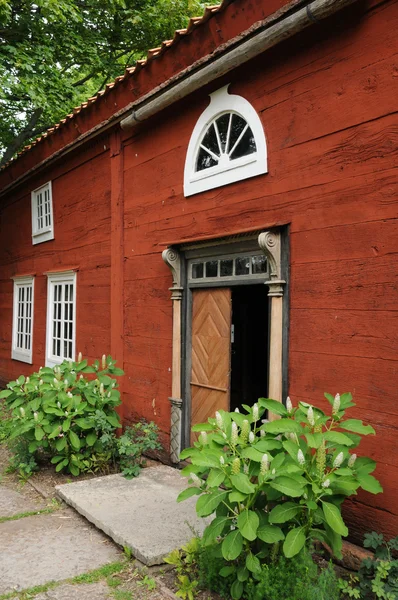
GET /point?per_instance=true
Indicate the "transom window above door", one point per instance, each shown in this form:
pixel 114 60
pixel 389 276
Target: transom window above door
pixel 226 268
pixel 226 145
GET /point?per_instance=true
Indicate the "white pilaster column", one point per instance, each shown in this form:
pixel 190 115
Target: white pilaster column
pixel 270 244
pixel 173 260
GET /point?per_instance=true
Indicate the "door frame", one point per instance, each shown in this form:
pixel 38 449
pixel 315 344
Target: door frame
pixel 274 244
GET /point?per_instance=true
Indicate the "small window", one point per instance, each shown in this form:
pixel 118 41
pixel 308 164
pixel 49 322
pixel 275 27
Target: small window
pixel 227 144
pixel 61 317
pixel 22 326
pixel 251 266
pixel 42 214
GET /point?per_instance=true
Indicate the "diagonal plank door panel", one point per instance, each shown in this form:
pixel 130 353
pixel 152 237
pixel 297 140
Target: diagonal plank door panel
pixel 211 349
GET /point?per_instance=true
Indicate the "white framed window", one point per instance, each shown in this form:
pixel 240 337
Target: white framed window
pixel 22 322
pixel 42 214
pixel 227 144
pixel 61 317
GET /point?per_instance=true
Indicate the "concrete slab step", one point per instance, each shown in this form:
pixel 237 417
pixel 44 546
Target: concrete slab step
pixel 12 503
pixel 140 513
pixel 39 549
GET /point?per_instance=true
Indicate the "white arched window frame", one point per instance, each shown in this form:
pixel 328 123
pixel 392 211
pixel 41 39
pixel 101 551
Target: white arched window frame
pixel 227 170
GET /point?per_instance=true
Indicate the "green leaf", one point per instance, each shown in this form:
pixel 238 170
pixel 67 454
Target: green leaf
pixel 55 431
pixel 61 465
pixel 113 420
pixel 56 459
pixel 208 503
pixel 277 408
pixel 369 483
pixel 288 486
pixel 283 426
pixel 364 465
pixel 237 497
pixel 85 423
pixel 91 438
pixel 74 469
pixel 236 589
pixel 215 478
pixel 205 458
pixel 202 427
pixel 284 512
pixel 242 483
pixel 294 542
pixel 334 519
pixel 270 534
pixel 232 545
pixel 227 571
pixel 357 426
pixel 66 425
pixel 252 454
pixel 60 444
pixel 337 438
pixel 39 433
pixel 243 574
pixel 253 563
pixel 35 404
pixel 74 440
pixel 267 445
pixel 314 440
pixel 185 494
pixel 334 540
pixel 248 523
pixel 5 393
pixel 214 530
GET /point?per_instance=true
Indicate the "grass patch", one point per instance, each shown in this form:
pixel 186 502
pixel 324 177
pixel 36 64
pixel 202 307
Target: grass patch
pixel 92 577
pixel 31 513
pixel 120 595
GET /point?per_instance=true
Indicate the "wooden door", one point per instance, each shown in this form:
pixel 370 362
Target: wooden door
pixel 211 353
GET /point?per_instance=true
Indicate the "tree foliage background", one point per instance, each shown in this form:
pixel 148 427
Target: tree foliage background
pixel 54 54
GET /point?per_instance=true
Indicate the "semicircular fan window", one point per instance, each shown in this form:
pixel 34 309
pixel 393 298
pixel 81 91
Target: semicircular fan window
pixel 227 138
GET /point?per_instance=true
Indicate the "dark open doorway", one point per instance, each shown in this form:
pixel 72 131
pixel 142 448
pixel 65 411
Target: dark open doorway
pixel 249 348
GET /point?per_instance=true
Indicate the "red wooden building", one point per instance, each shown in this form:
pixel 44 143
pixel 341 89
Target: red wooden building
pixel 259 146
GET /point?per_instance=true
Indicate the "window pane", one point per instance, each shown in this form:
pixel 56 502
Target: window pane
pixel 197 270
pixel 237 126
pixel 210 140
pixel 204 160
pixel 246 146
pixel 242 265
pixel 226 268
pixel 259 264
pixel 212 268
pixel 222 125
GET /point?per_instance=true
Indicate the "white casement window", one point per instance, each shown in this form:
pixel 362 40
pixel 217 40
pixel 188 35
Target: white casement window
pixel 22 324
pixel 61 317
pixel 42 214
pixel 227 144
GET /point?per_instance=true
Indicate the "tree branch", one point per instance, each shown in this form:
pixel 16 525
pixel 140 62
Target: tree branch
pixel 22 136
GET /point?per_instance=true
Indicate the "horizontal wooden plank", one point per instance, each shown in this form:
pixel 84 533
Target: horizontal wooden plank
pixel 354 240
pixel 373 382
pixel 363 519
pixel 367 333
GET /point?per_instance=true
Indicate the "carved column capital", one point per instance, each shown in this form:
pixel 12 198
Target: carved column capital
pixel 270 244
pixel 172 258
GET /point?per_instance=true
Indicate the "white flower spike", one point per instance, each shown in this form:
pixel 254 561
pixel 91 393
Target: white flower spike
pixel 289 405
pixel 310 416
pixel 300 457
pixel 336 404
pixel 338 460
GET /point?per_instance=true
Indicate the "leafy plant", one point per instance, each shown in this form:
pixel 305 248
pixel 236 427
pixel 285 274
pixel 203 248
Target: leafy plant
pixel 378 576
pixel 297 579
pixel 61 413
pixel 135 441
pixel 283 481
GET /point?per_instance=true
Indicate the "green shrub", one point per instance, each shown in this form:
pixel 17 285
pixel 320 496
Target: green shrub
pixel 378 576
pixel 62 414
pixel 283 481
pixel 135 441
pixel 294 579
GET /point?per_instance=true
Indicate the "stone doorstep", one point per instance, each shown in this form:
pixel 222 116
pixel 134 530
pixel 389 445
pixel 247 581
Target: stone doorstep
pixel 140 513
pixel 353 556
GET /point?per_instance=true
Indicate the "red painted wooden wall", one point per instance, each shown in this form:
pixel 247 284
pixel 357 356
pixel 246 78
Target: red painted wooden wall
pixel 327 101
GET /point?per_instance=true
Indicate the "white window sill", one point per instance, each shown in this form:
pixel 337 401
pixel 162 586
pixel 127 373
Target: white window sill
pixel 21 356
